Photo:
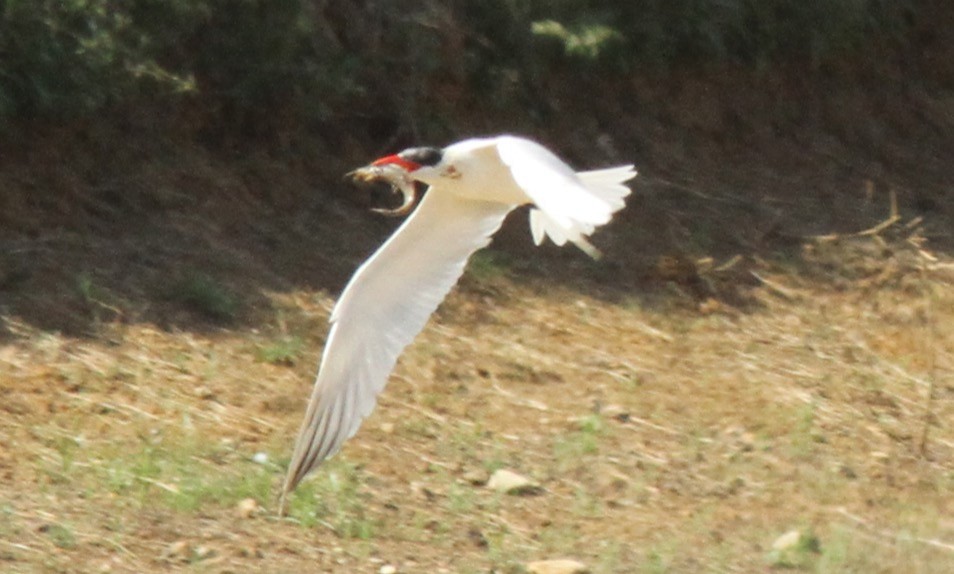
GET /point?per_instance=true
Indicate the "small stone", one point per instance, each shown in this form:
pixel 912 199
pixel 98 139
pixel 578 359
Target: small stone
pixel 204 392
pixel 204 552
pixel 734 485
pixel 387 428
pixel 478 538
pixel 387 569
pixel 246 508
pixel 251 551
pixel 260 458
pixel 615 412
pixel 559 566
pixel 424 490
pixel 788 540
pixel 792 549
pixel 178 550
pixel 475 477
pixel 847 472
pixel 510 482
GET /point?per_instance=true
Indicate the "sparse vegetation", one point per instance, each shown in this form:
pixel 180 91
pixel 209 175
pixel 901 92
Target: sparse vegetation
pixel 61 536
pixel 286 350
pixel 337 501
pixel 579 444
pixel 486 266
pixel 777 427
pixel 111 426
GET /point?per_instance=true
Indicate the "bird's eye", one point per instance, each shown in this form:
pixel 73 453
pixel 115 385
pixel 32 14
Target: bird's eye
pixel 422 155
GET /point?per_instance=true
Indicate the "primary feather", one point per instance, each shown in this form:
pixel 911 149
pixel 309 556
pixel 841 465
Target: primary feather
pixel 382 309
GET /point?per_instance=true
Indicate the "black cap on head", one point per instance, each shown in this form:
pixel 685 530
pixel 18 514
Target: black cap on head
pixel 422 155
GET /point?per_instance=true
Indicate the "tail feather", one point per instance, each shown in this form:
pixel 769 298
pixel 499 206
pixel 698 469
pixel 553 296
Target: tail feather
pixel 606 186
pixel 543 226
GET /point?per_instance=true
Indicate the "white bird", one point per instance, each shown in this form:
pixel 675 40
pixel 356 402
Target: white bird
pixel 473 185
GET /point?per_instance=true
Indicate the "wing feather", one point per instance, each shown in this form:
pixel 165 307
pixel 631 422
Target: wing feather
pixel 551 184
pixel 569 205
pixel 384 306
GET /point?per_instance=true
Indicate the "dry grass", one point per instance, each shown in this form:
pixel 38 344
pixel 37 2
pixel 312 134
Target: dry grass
pixel 668 437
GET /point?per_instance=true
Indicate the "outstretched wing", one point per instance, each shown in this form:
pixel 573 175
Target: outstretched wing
pixel 384 306
pixel 569 205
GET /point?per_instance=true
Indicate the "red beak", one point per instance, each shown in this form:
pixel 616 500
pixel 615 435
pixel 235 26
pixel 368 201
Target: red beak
pixel 408 166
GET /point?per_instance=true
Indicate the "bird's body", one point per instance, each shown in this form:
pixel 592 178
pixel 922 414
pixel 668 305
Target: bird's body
pixel 477 173
pixel 473 185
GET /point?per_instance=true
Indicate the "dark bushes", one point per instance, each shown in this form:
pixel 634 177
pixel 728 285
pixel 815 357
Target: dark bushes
pixel 250 61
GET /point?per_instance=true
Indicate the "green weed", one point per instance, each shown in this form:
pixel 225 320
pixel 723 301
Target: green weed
pixel 205 295
pixel 181 473
pixel 804 439
pixel 334 499
pixel 283 351
pixel 487 265
pixel 460 498
pixel 571 449
pixel 60 535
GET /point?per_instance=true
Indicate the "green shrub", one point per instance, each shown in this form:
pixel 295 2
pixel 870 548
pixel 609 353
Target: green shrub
pixel 205 295
pixel 251 62
pixel 63 58
pixel 69 57
pixel 665 32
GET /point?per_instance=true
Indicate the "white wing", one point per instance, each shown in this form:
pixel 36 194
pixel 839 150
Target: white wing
pixel 569 205
pixel 384 306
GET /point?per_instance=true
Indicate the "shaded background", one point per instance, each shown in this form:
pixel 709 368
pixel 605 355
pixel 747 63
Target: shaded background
pixel 146 144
